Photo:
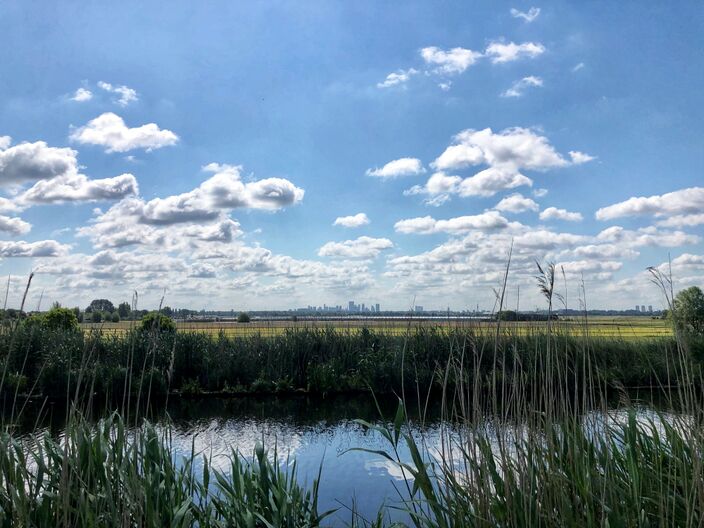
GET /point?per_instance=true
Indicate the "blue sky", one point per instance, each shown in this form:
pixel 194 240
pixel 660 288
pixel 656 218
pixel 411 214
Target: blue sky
pixel 205 152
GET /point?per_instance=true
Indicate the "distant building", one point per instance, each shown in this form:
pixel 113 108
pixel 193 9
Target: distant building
pixel 637 308
pixel 642 308
pixel 377 310
pixel 650 308
pixel 419 309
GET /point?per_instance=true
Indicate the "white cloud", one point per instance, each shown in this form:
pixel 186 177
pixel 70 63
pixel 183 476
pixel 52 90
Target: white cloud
pixel 578 67
pixel 516 203
pixel 684 201
pixel 519 87
pixel 398 168
pixel 575 267
pixel 14 225
pixel 580 157
pixel 126 94
pixel 5 141
pixel 488 221
pixel 396 78
pixel 528 16
pixel 492 180
pixel 501 52
pixel 604 252
pixel 78 188
pixel 361 248
pixel 109 130
pixel 513 148
pixel 539 193
pixel 506 153
pixel 647 236
pixel 357 220
pixel 81 95
pixel 43 248
pixel 688 220
pixel 553 213
pixel 28 162
pixel 449 62
pixel 134 221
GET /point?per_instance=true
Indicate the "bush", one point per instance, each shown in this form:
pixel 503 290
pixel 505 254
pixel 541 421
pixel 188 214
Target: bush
pixel 115 317
pixel 55 319
pixel 158 322
pixel 96 317
pixel 243 317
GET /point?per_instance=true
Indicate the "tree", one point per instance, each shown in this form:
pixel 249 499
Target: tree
pixel 689 310
pixel 243 317
pixel 123 309
pixel 115 317
pixel 61 319
pixel 100 305
pixel 96 317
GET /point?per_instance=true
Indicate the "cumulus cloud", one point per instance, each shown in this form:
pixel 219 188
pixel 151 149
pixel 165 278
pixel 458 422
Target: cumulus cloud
pixel 578 267
pixel 647 236
pixel 449 62
pixel 604 252
pixel 516 203
pixel 580 157
pixel 426 225
pixel 501 52
pixel 527 16
pixel 682 202
pixel 553 213
pixel 396 78
pixel 125 94
pixel 688 220
pixel 29 162
pixel 513 148
pixel 81 95
pixel 492 180
pixel 357 220
pixel 506 153
pixel 14 225
pixel 398 168
pixel 79 188
pixel 360 248
pixel 519 87
pixel 43 248
pixel 134 221
pixel 109 130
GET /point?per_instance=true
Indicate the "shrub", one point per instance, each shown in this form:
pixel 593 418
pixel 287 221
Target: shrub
pixel 243 317
pixel 157 322
pixel 115 317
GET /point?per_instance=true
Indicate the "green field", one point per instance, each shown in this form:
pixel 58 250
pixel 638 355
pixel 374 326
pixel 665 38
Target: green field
pixel 624 327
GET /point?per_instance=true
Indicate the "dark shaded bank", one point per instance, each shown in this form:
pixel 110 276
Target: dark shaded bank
pixel 58 363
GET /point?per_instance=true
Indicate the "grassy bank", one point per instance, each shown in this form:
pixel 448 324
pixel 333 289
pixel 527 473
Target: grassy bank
pixel 54 362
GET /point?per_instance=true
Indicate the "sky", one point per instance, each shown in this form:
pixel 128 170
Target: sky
pixel 271 155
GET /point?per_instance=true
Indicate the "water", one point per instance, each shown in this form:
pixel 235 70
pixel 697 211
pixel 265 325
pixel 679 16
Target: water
pixel 320 434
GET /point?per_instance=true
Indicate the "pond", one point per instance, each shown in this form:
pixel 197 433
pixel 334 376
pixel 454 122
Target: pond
pixel 320 434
